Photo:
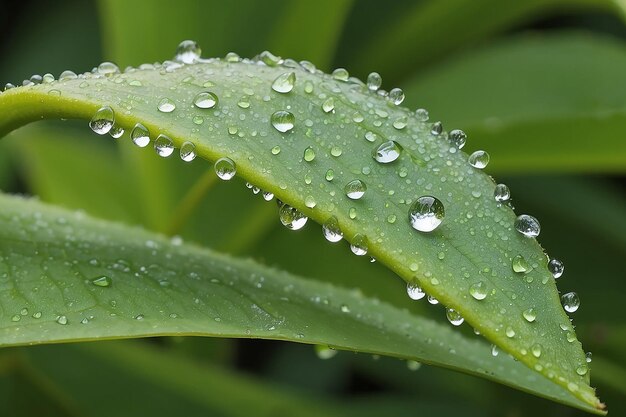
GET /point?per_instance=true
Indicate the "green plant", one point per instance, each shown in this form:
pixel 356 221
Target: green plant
pixel 304 138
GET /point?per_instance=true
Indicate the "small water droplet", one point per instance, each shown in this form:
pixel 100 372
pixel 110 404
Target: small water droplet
pixel 116 132
pixel 328 105
pixel 413 365
pixel 102 281
pixel 336 151
pixel 355 189
pixel 62 320
pixel 479 159
pixel 458 138
pixel 588 357
pixel 37 315
pixel 166 105
pixel 400 123
pixel 139 317
pixel 530 315
pixel 519 264
pixel 102 122
pixel 494 350
pixel 309 154
pixel 478 290
pixel 67 75
pixel 225 168
pixel 536 350
pixel 432 300
pixel 331 230
pixel 16 317
pixel 140 135
pixel 324 352
pixel 270 59
pixel 570 301
pixel 527 225
pixel 309 201
pixel 556 268
pixel 187 52
pixel 426 214
pixel 509 332
pixel 454 317
pixel 359 245
pixel 163 146
pixel 582 369
pixel 284 83
pixel 108 68
pixel 396 96
pixel 414 291
pixel 501 193
pixel 387 152
pixel 330 174
pixel 205 100
pixel 276 150
pixel 188 151
pixel 374 81
pixel 341 74
pixel 422 115
pixel 291 217
pixel 283 121
pixel 436 129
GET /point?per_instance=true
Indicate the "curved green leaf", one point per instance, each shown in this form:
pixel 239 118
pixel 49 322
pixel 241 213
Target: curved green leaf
pixel 475 244
pixel 67 277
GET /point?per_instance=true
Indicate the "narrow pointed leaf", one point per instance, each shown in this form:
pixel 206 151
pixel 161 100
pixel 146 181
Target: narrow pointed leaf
pixel 67 277
pixel 345 124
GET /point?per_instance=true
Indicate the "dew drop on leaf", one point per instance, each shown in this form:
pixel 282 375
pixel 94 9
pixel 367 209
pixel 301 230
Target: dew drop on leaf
pixel 116 132
pixel 309 154
pixel 478 290
pixel 387 152
pixel 291 217
pixel 396 96
pixel 374 81
pixel 457 138
pixel 556 268
pixel 188 151
pixel 324 352
pixel 536 350
pixel 102 281
pixel 166 105
pixel 283 121
pixel 62 320
pixel 454 317
pixel 328 105
pixel 570 301
pixel 355 189
pixel 103 120
pixel 140 135
pixel 501 193
pixel 187 52
pixel 426 214
pixel 331 230
pixel 205 100
pixel 414 291
pixel 341 74
pixel 527 225
pixel 436 129
pixel 359 245
pixel 225 168
pixel 519 264
pixel 163 146
pixel 479 159
pixel 284 83
pixel 107 69
pixel 422 115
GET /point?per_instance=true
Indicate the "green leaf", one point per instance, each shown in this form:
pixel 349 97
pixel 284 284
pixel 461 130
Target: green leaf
pixel 534 113
pixel 67 277
pixel 475 244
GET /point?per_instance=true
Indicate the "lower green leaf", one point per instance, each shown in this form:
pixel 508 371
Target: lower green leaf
pixel 67 277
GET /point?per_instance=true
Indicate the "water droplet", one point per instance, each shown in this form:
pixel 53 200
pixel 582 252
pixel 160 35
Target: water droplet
pixel 527 225
pixel 536 350
pixel 225 168
pixel 330 174
pixel 436 129
pixel 267 196
pixel 284 83
pixel 374 81
pixel 582 369
pixel 270 59
pixel 139 317
pixel 205 100
pixel 501 193
pixel 478 290
pixel 67 75
pixel 570 301
pixel 432 300
pixel 166 105
pixel 413 365
pixel 414 291
pixel 163 146
pixel 308 66
pixel 102 281
pixel 556 268
pixel 336 151
pixel 283 121
pixel 530 315
pixel 37 315
pixel 328 105
pixel 331 230
pixel 400 123
pixel 187 52
pixel 396 96
pixel 116 132
pixel 509 332
pixel 426 214
pixel 62 320
pixel 422 115
pixel 479 159
pixel 494 350
pixel 244 102
pixel 519 264
pixel 588 357
pixel 370 136
pixel 324 352
pixel 16 318
pixel 387 152
pixel 341 74
pixel 454 317
pixel 309 154
pixel 355 189
pixel 457 138
pixel 140 135
pixel 309 201
pixel 291 218
pixel 108 68
pixel 276 150
pixel 188 151
pixel 359 245
pixel 103 120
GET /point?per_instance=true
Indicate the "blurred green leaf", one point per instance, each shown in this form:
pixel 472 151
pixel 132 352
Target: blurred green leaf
pixel 521 101
pixel 143 285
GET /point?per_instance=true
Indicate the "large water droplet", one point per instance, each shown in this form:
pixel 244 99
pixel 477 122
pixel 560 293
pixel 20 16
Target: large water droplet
pixel 291 217
pixel 387 152
pixel 163 146
pixel 284 83
pixel 67 75
pixel 536 350
pixel 414 291
pixel 225 168
pixel 556 268
pixel 501 193
pixel 116 132
pixel 341 74
pixel 270 59
pixel 519 264
pixel 359 245
pixel 582 369
pixel 426 214
pixel 570 301
pixel 328 105
pixel 355 189
pixel 325 352
pixel 62 320
pixel 530 315
pixel 396 96
pixel 309 154
pixel 509 332
pixel 436 129
pixel 108 68
pixel 374 81
pixel 205 100
pixel 457 138
pixel 478 290
pixel 103 120
pixel 331 230
pixel 166 105
pixel 527 225
pixel 283 121
pixel 102 281
pixel 188 151
pixel 140 135
pixel 187 52
pixel 454 317
pixel 422 115
pixel 479 159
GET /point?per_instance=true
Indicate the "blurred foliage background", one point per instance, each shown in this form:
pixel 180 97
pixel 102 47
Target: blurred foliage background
pixel 539 84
